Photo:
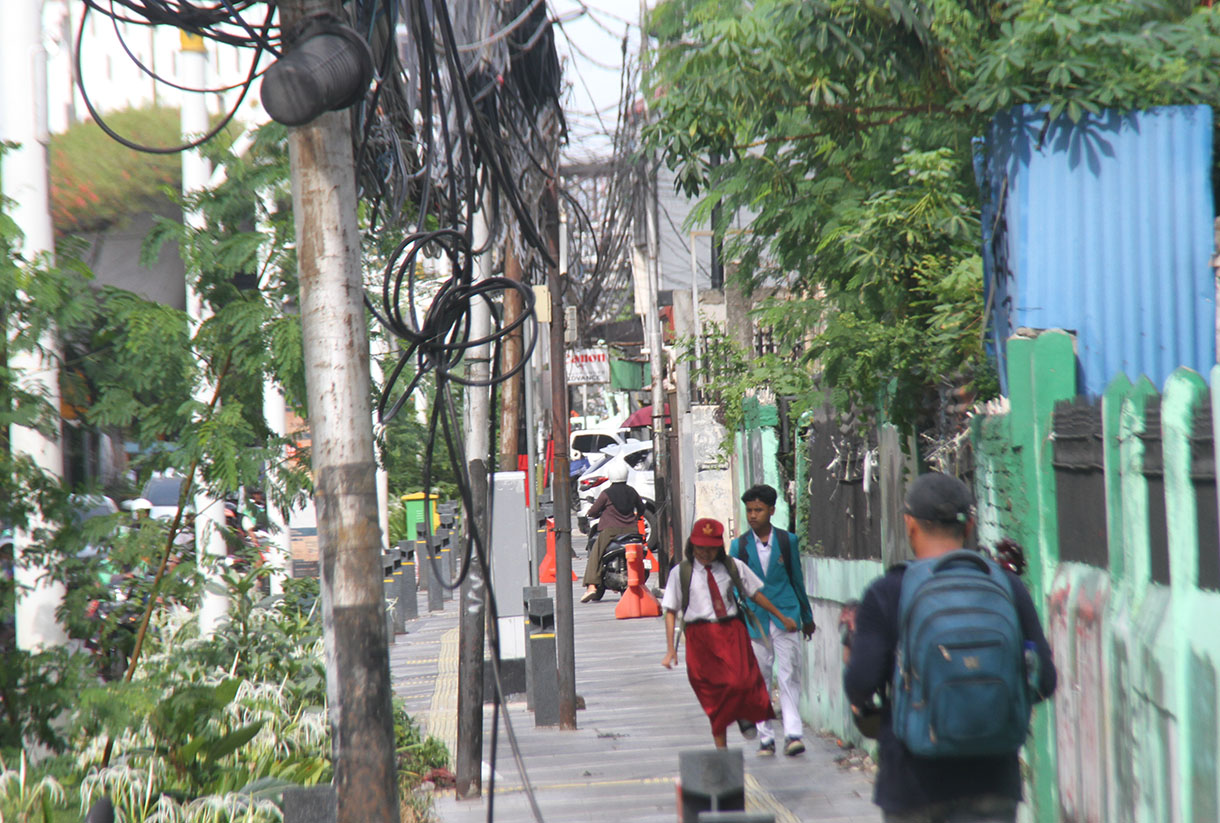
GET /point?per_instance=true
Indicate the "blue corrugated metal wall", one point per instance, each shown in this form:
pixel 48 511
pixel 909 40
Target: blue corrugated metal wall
pixel 1103 228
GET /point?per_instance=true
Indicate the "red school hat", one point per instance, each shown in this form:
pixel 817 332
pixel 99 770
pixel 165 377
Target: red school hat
pixel 707 532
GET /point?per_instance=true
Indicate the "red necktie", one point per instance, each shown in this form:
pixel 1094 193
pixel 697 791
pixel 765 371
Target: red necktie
pixel 714 591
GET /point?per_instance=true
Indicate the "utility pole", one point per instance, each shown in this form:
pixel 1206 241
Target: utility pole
pixel 472 624
pixel 23 120
pixel 656 342
pixel 565 646
pixel 196 170
pixel 337 380
pixel 510 416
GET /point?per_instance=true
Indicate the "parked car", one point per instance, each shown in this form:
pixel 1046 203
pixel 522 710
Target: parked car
pixel 637 456
pixel 590 442
pixel 162 493
pixel 586 451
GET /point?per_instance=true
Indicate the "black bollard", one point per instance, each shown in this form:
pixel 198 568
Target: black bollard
pixel 407 601
pixel 540 614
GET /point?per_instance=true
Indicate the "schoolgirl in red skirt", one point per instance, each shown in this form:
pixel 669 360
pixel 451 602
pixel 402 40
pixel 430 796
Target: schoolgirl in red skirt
pixel 720 663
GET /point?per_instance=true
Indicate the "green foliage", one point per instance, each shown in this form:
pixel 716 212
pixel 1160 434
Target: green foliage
pixel 403 443
pixel 26 797
pixel 846 129
pixel 210 729
pixel 96 182
pixel 728 375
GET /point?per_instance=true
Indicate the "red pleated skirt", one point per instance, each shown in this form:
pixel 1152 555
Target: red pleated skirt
pixel 724 674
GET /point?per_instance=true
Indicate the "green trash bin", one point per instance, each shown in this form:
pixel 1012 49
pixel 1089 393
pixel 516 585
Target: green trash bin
pixel 414 506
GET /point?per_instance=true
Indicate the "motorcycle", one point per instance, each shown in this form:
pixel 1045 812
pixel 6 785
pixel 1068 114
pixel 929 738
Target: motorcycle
pixel 614 564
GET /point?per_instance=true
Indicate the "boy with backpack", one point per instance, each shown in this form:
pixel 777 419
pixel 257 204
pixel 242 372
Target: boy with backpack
pixel 705 590
pixel 774 555
pixel 952 644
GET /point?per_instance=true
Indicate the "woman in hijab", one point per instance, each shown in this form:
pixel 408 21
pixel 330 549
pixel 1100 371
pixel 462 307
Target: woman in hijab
pixel 619 508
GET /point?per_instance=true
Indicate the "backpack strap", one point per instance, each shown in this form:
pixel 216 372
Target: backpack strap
pixel 788 557
pixel 743 610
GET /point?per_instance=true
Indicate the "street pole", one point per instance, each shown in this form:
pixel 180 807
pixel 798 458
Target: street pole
pixel 565 646
pixel 23 120
pixel 472 624
pixel 196 171
pixel 656 352
pixel 510 405
pixel 337 381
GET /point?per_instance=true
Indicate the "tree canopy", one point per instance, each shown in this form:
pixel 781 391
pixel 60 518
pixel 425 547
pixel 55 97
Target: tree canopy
pixel 847 130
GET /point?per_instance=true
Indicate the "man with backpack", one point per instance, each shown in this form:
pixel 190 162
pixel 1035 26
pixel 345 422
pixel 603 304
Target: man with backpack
pixel 952 644
pixel 705 591
pixel 774 555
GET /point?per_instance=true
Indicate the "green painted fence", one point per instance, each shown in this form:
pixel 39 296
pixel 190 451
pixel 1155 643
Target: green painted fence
pixel 1133 733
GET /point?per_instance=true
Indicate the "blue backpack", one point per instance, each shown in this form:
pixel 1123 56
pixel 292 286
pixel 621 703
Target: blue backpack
pixel 960 687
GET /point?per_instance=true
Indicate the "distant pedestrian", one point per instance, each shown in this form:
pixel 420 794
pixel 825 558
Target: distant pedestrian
pixel 617 510
pixel 774 555
pixel 973 660
pixel 720 664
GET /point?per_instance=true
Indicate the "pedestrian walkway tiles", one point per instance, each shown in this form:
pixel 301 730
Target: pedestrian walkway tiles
pixel 621 763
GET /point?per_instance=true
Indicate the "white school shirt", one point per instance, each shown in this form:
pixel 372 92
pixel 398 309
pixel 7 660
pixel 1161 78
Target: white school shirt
pixel 700 605
pixel 764 549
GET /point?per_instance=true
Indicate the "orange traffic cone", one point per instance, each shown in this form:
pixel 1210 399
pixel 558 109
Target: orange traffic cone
pixel 546 569
pixel 637 601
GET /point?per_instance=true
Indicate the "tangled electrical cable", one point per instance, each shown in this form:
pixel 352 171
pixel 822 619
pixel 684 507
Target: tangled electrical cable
pixel 465 170
pixel 439 143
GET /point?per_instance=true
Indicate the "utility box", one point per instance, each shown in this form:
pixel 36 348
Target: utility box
pixel 510 560
pixel 416 509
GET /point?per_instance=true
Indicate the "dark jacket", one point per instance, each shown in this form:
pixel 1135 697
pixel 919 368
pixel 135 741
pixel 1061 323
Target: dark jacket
pixel 906 782
pixel 618 507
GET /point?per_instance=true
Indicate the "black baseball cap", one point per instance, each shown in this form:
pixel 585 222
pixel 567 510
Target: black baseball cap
pixel 939 498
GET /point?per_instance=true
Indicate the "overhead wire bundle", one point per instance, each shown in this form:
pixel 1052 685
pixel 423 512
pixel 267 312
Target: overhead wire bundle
pixel 471 92
pixel 462 117
pixel 222 22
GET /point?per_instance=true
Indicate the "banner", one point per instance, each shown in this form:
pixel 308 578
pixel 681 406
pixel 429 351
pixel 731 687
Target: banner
pixel 585 366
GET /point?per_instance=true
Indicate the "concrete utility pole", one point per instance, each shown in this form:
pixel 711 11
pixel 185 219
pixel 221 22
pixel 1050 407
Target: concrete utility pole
pixel 471 629
pixel 656 342
pixel 23 120
pixel 565 646
pixel 337 380
pixel 196 172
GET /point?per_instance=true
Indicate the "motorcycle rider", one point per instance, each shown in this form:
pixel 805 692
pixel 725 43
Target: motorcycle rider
pixel 619 508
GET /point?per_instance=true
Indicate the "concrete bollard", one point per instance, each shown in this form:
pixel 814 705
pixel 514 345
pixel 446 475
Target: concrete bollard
pixel 389 594
pixel 423 552
pixel 311 804
pixel 545 672
pixel 529 593
pixel 444 550
pixel 711 780
pixel 408 604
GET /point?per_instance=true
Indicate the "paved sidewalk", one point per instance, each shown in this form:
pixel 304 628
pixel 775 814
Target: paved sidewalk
pixel 622 763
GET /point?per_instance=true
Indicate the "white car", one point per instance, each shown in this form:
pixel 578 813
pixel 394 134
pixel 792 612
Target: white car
pixel 162 493
pixel 637 456
pixel 589 443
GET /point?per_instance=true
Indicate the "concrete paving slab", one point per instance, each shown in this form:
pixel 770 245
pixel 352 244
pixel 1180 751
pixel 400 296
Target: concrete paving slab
pixel 621 764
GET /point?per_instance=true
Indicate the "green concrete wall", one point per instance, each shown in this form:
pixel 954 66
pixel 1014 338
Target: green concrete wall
pixel 1133 733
